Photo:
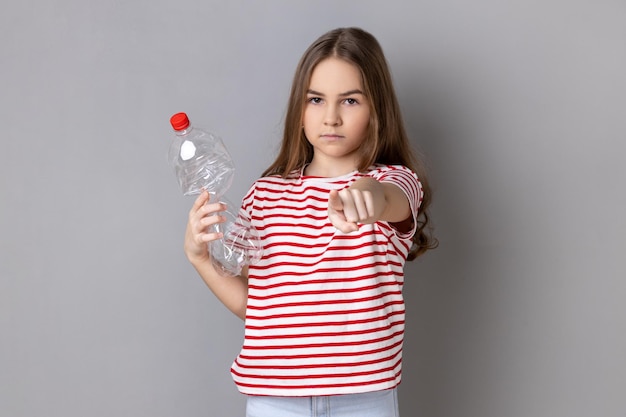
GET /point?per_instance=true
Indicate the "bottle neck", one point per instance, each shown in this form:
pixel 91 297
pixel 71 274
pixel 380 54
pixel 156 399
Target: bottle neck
pixel 184 132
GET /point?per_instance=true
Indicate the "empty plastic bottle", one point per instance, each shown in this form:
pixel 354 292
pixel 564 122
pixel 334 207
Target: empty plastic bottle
pixel 199 158
pixel 201 162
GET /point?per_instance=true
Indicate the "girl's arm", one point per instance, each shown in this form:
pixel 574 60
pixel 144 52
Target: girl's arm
pixel 231 291
pixel 367 201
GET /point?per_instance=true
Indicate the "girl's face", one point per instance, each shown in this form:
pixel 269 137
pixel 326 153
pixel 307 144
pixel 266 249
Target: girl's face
pixel 336 117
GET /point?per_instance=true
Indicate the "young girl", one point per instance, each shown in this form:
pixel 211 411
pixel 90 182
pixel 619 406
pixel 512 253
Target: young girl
pixel 340 210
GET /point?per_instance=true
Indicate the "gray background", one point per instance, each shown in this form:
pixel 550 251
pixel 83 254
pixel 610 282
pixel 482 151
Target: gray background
pixel 519 106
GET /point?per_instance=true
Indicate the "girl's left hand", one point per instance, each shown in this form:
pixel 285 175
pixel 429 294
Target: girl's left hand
pixel 350 206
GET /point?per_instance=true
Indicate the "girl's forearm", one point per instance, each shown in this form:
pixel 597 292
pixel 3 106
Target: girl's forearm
pixel 232 291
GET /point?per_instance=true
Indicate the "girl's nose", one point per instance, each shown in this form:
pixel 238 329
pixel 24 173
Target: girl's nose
pixel 332 117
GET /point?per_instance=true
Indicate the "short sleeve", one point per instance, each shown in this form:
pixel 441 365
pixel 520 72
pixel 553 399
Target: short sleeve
pixel 409 183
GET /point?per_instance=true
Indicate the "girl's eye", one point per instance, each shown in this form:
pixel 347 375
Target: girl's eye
pixel 351 101
pixel 314 100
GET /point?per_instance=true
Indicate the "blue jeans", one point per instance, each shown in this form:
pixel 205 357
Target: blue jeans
pixel 369 404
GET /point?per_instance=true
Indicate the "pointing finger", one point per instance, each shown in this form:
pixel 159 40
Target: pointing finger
pixel 334 201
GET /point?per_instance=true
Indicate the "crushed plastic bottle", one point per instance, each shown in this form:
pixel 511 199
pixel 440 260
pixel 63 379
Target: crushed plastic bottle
pixel 201 162
pixel 200 159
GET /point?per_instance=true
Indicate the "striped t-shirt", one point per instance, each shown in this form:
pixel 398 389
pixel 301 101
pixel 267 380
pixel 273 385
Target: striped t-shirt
pixel 325 310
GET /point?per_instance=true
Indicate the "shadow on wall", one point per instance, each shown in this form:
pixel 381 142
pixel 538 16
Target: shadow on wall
pixel 440 309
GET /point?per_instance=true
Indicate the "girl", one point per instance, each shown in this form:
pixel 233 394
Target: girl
pixel 340 210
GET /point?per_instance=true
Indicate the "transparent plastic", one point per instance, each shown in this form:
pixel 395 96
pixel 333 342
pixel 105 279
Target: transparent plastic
pixel 240 245
pixel 201 162
pixel 200 159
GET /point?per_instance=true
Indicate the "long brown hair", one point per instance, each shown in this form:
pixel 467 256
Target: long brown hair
pixel 386 142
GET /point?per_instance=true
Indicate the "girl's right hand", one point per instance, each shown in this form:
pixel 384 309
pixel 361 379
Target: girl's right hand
pixel 202 215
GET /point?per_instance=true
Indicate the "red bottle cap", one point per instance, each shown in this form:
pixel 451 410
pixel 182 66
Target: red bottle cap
pixel 179 121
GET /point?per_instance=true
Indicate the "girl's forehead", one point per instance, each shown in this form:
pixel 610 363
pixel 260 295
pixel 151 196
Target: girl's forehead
pixel 335 74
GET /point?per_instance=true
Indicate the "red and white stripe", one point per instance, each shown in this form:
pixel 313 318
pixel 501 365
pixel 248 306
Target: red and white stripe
pixel 325 309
